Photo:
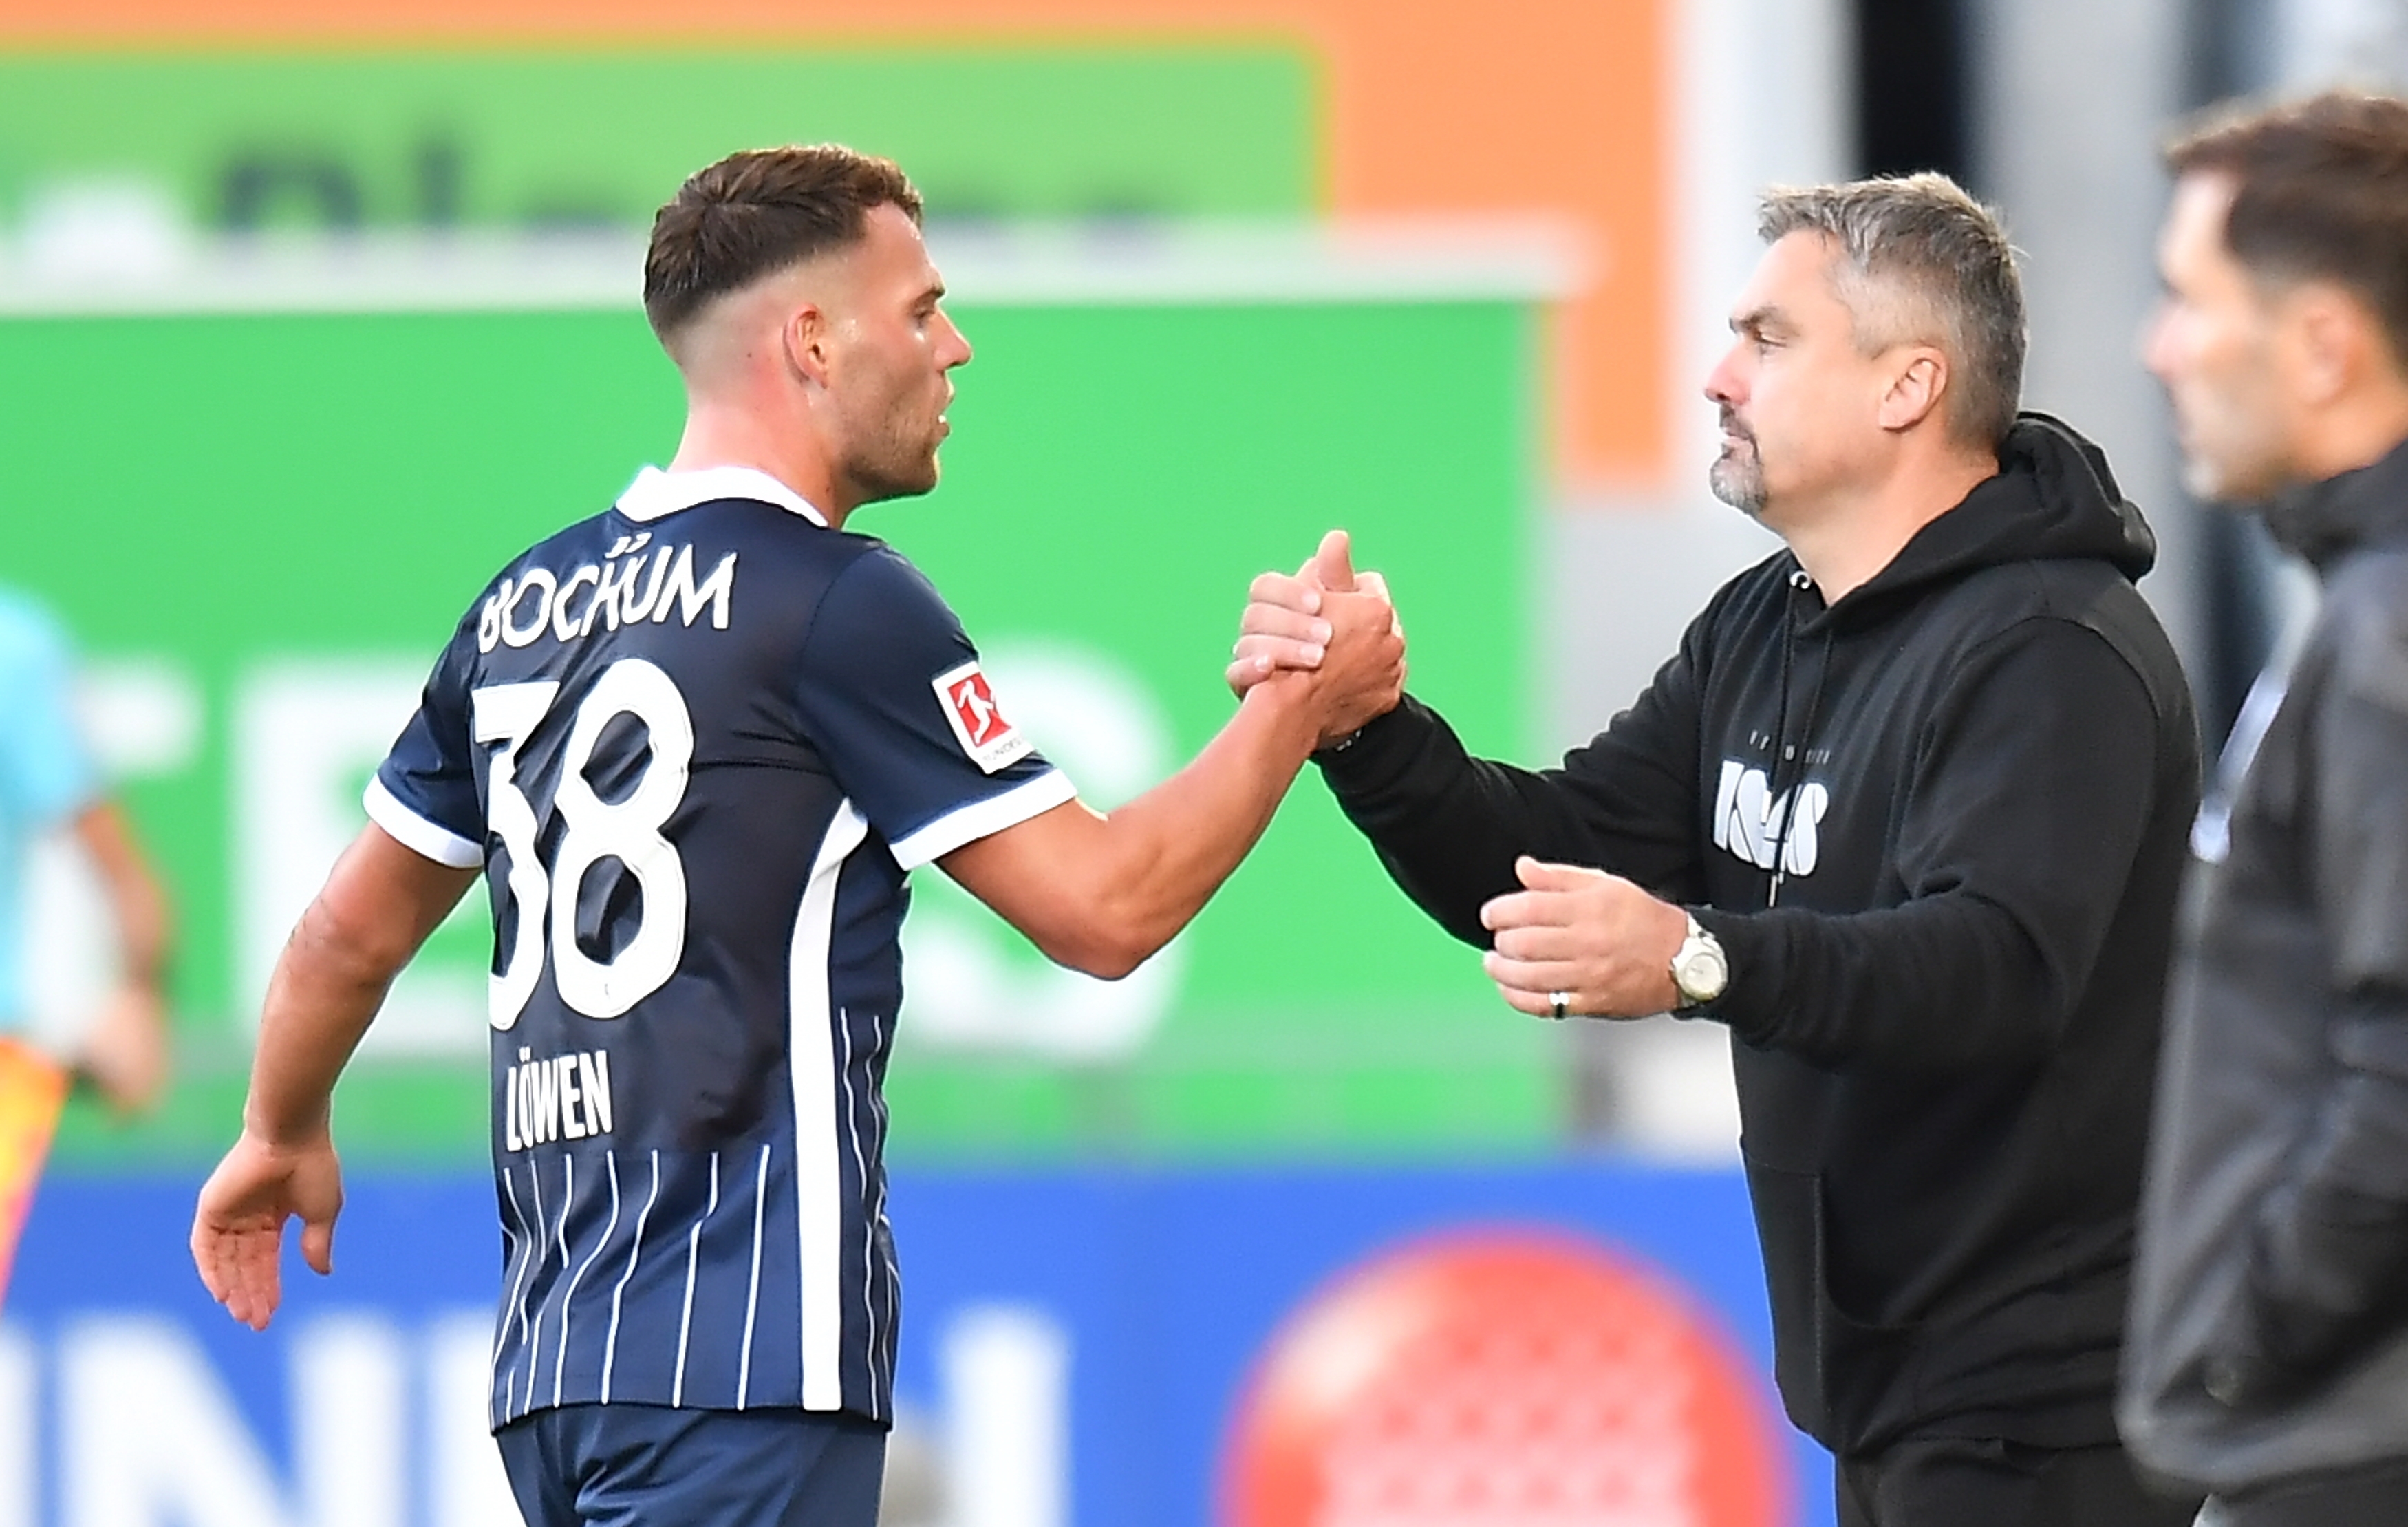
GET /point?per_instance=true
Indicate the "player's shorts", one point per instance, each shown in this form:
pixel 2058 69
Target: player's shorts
pixel 623 1465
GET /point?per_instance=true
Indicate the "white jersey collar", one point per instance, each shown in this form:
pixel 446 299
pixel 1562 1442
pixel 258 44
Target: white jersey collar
pixel 655 494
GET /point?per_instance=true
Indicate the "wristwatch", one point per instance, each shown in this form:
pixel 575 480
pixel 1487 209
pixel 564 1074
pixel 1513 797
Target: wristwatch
pixel 1699 969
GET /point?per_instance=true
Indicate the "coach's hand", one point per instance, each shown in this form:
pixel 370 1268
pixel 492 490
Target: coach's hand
pixel 239 1230
pixel 1285 626
pixel 1597 941
pixel 1362 673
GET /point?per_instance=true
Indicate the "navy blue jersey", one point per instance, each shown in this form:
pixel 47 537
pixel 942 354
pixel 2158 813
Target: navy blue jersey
pixel 696 743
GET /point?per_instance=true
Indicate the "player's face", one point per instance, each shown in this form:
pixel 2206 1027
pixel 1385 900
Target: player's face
pixel 896 345
pixel 2215 344
pixel 1799 400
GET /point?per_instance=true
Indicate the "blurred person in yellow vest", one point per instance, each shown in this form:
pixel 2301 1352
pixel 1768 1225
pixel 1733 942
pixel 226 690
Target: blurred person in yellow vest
pixel 48 785
pixel 2268 1356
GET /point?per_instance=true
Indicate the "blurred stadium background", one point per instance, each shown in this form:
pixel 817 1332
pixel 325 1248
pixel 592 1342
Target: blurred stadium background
pixel 310 314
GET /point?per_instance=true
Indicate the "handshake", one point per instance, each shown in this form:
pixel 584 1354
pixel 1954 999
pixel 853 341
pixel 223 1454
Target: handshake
pixel 1333 624
pixel 1570 938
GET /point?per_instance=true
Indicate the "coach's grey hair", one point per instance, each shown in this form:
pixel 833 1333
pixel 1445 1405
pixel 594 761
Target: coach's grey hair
pixel 1921 260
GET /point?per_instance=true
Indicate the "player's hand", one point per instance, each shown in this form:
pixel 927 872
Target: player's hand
pixel 1595 938
pixel 1285 626
pixel 125 1055
pixel 238 1230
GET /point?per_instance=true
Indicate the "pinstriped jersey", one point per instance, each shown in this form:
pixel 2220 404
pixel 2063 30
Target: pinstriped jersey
pixel 696 743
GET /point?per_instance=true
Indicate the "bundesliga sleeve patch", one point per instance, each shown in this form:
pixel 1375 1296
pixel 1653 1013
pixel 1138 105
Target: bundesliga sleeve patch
pixel 978 724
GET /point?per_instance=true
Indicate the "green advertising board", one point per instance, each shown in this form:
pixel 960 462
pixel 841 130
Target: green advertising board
pixel 274 520
pixel 597 137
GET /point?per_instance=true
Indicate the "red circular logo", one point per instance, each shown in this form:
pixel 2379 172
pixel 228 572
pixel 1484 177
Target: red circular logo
pixel 1513 1378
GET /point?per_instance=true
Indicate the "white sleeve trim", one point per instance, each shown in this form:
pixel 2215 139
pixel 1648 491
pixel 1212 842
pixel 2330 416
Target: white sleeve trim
pixel 414 832
pixel 985 818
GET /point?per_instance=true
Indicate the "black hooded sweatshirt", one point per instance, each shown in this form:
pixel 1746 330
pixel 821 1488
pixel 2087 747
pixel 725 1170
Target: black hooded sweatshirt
pixel 1940 828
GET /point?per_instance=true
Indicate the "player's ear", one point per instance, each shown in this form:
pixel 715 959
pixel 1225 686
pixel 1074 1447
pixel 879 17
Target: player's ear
pixel 807 337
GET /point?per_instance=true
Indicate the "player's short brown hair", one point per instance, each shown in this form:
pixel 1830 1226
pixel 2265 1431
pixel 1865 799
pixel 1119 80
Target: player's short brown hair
pixel 1920 260
pixel 2320 192
pixel 757 211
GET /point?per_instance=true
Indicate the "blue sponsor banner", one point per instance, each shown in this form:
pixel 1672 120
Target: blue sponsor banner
pixel 1078 1344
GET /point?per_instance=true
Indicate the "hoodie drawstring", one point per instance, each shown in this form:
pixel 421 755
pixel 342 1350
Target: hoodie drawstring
pixel 1786 805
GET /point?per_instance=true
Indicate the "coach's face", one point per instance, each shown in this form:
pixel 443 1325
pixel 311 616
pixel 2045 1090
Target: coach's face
pixel 2216 344
pixel 1800 401
pixel 893 345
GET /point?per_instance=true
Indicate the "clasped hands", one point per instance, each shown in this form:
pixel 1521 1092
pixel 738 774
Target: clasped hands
pixel 1293 626
pixel 1573 939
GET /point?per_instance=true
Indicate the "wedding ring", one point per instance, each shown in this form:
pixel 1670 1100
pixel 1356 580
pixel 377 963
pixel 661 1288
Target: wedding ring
pixel 1556 1002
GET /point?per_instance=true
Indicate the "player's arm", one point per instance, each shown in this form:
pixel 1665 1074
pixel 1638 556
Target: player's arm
pixel 126 1053
pixel 378 905
pixel 1101 892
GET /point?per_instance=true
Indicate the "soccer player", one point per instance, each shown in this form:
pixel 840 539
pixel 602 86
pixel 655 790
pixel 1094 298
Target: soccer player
pixel 696 745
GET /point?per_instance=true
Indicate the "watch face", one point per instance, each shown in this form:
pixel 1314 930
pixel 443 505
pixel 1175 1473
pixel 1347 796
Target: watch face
pixel 1700 973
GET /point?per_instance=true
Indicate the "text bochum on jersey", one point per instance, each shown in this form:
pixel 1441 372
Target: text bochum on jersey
pixel 696 743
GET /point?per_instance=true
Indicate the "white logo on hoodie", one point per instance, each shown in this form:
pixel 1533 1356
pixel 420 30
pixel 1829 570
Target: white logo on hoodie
pixel 1749 819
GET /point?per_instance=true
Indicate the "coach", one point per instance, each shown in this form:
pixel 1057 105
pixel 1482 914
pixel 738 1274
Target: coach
pixel 1906 814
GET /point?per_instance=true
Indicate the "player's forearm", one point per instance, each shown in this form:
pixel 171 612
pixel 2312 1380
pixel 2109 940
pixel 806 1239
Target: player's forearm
pixel 1166 852
pixel 378 906
pixel 1101 894
pixel 325 990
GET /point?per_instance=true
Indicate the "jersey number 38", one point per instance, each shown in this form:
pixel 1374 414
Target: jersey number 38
pixel 627 829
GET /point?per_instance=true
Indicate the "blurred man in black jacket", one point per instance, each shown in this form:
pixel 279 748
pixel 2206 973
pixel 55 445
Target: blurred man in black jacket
pixel 2269 1343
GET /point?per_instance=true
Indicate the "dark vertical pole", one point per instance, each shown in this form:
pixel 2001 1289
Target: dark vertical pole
pixel 1911 102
